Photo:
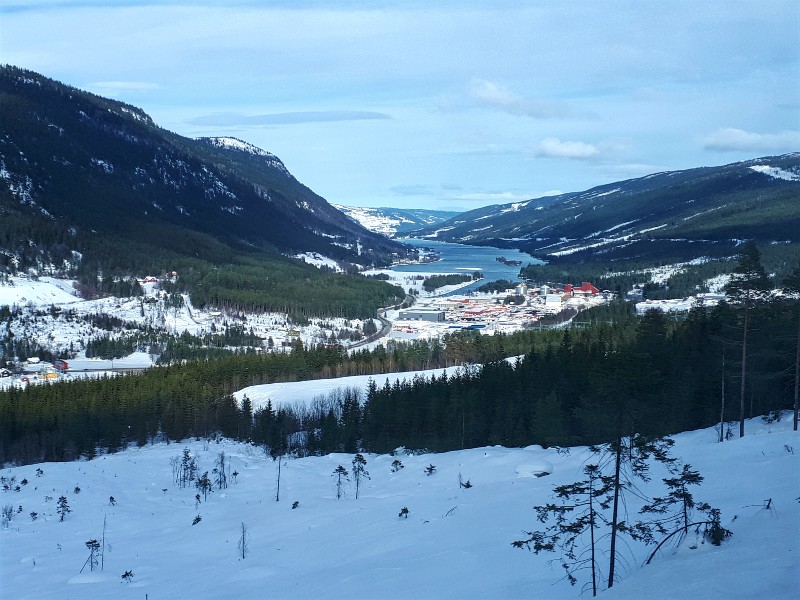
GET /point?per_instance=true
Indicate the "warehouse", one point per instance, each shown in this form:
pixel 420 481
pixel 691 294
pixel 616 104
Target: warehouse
pixel 421 314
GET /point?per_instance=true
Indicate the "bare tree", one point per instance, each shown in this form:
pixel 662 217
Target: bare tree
pixel 219 470
pixel 94 547
pixel 243 545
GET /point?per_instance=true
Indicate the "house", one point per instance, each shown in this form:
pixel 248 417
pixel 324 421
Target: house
pixel 5 373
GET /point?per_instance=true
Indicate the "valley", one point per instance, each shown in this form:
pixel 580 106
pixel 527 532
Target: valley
pixel 200 355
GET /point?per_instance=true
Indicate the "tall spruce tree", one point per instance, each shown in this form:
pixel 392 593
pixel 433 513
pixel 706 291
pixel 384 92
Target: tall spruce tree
pixel 748 285
pixel 791 285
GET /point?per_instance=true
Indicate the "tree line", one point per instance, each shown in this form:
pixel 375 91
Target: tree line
pixel 66 420
pixel 676 375
pixel 714 365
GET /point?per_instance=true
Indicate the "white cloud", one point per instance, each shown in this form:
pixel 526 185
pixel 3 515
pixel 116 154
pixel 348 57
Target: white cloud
pixel 493 197
pixel 553 147
pixel 496 95
pixel 730 139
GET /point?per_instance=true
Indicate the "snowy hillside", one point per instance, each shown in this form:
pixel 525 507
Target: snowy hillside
pixel 454 543
pixel 48 311
pixel 394 222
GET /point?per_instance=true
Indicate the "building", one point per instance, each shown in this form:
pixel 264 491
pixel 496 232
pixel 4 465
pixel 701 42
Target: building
pixel 552 300
pixel 421 314
pixel 586 289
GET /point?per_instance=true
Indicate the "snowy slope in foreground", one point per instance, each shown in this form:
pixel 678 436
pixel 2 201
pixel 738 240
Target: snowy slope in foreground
pixel 456 543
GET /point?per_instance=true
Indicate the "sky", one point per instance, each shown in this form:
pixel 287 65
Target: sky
pixel 448 105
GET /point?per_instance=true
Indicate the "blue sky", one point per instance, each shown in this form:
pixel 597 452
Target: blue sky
pixel 449 104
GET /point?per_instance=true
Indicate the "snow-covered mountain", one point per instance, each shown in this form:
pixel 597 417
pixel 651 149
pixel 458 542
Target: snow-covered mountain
pixel 395 222
pixel 455 542
pixel 674 215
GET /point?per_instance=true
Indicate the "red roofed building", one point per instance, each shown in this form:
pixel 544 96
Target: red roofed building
pixel 585 288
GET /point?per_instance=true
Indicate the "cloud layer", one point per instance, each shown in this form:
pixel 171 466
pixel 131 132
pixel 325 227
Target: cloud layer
pixel 730 139
pixel 288 118
pixel 422 104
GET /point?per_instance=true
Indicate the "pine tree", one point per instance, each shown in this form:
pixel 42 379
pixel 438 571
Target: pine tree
pixel 204 485
pixel 611 477
pixel 792 286
pixel 577 514
pixel 62 508
pixel 341 475
pixel 748 285
pixel 359 470
pixel 676 511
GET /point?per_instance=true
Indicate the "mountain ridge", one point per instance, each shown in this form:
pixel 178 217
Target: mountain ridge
pixel 679 213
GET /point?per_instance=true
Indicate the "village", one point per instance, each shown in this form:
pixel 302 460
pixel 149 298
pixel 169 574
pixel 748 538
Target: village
pixel 521 307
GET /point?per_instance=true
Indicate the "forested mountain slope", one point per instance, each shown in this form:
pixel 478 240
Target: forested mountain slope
pixel 92 187
pixel 77 170
pixel 673 215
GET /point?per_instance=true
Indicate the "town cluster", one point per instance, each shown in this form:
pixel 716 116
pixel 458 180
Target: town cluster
pixel 503 312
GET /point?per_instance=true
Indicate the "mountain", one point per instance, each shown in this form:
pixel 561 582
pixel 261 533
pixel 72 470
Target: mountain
pixel 670 215
pixel 395 222
pixel 78 169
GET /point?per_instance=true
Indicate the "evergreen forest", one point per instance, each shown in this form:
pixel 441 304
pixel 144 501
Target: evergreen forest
pixel 563 387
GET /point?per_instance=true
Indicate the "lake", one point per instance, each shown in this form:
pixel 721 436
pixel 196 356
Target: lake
pixel 460 258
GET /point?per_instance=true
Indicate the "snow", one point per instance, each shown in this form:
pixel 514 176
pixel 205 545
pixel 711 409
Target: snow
pixel 51 313
pixel 776 172
pixel 44 292
pixel 304 392
pixel 318 260
pixel 455 543
pixel 233 143
pixel 374 219
pixel 515 207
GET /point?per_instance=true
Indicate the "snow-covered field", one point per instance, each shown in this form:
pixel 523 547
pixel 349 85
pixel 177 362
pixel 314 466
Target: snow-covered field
pixel 305 392
pixel 455 543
